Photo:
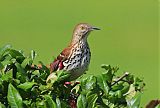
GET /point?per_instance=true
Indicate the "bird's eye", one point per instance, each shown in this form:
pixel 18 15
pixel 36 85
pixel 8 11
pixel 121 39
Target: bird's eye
pixel 82 28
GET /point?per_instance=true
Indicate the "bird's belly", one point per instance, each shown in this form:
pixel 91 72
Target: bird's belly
pixel 78 71
pixel 77 65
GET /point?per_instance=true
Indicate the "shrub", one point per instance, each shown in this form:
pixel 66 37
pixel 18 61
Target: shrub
pixel 24 84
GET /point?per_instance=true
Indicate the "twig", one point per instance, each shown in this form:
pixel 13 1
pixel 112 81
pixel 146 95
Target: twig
pixel 120 78
pixel 153 103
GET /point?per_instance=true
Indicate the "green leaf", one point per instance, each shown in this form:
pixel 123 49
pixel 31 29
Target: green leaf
pixel 1 105
pixel 19 68
pixel 139 84
pixel 118 86
pixel 7 76
pixel 27 103
pixel 119 93
pixel 106 67
pixel 4 49
pixel 14 98
pixel 42 87
pixel 26 62
pixel 81 101
pixel 27 85
pixel 33 105
pixel 33 54
pixel 88 83
pixel 62 75
pixel 125 89
pixel 21 73
pixel 91 99
pixel 135 101
pixel 15 53
pixel 158 106
pixel 58 102
pixel 41 104
pixel 130 79
pixel 6 62
pixel 51 78
pixel 49 102
pixel 1 66
pixel 103 84
pixel 43 75
pixel 107 76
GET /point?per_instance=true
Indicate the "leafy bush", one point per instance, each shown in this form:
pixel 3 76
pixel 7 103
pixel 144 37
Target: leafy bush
pixel 24 84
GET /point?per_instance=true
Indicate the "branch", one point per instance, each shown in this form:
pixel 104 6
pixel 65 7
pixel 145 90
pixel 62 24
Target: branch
pixel 120 78
pixel 153 103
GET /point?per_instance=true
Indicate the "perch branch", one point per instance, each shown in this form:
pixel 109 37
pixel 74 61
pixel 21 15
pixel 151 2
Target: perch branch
pixel 120 78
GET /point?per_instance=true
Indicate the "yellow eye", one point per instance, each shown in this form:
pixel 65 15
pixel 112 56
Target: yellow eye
pixel 82 28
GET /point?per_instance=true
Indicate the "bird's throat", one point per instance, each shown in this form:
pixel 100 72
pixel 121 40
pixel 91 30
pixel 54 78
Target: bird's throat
pixel 79 39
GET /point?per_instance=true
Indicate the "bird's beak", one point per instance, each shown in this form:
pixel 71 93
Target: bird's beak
pixel 95 28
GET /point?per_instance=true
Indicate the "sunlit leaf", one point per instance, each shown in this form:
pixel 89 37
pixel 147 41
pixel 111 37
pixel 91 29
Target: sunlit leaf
pixel 49 102
pixel 14 98
pixel 88 83
pixel 91 99
pixel 33 54
pixel 27 85
pixel 81 102
pixel 2 105
pixel 106 67
pixel 135 101
pixel 51 78
pixel 7 76
pixel 58 102
pixel 125 89
pixel 4 48
pixel 26 62
pixel 103 84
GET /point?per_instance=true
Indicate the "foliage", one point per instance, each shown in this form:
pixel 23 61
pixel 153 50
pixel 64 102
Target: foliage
pixel 23 84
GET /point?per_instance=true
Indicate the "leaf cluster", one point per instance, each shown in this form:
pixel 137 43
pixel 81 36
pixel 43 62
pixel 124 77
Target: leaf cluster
pixel 24 84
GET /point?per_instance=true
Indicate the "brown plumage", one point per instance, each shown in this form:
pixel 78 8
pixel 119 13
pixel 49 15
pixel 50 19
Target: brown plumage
pixel 76 57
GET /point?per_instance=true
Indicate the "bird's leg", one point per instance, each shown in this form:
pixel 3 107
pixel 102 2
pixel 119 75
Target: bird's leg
pixel 66 84
pixel 72 83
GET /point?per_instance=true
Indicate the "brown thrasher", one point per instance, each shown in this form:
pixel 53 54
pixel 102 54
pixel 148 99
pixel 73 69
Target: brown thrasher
pixel 76 57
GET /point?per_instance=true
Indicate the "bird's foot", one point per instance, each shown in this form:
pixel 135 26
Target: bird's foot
pixel 73 83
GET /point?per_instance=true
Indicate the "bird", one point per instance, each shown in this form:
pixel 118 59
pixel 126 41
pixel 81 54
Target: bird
pixel 75 58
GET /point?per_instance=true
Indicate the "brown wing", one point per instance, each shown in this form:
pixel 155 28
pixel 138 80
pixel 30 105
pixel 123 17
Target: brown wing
pixel 58 62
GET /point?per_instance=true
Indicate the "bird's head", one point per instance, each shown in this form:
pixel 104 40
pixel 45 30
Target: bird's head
pixel 82 31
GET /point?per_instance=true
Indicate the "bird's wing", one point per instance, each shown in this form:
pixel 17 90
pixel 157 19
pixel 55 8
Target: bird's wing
pixel 58 62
